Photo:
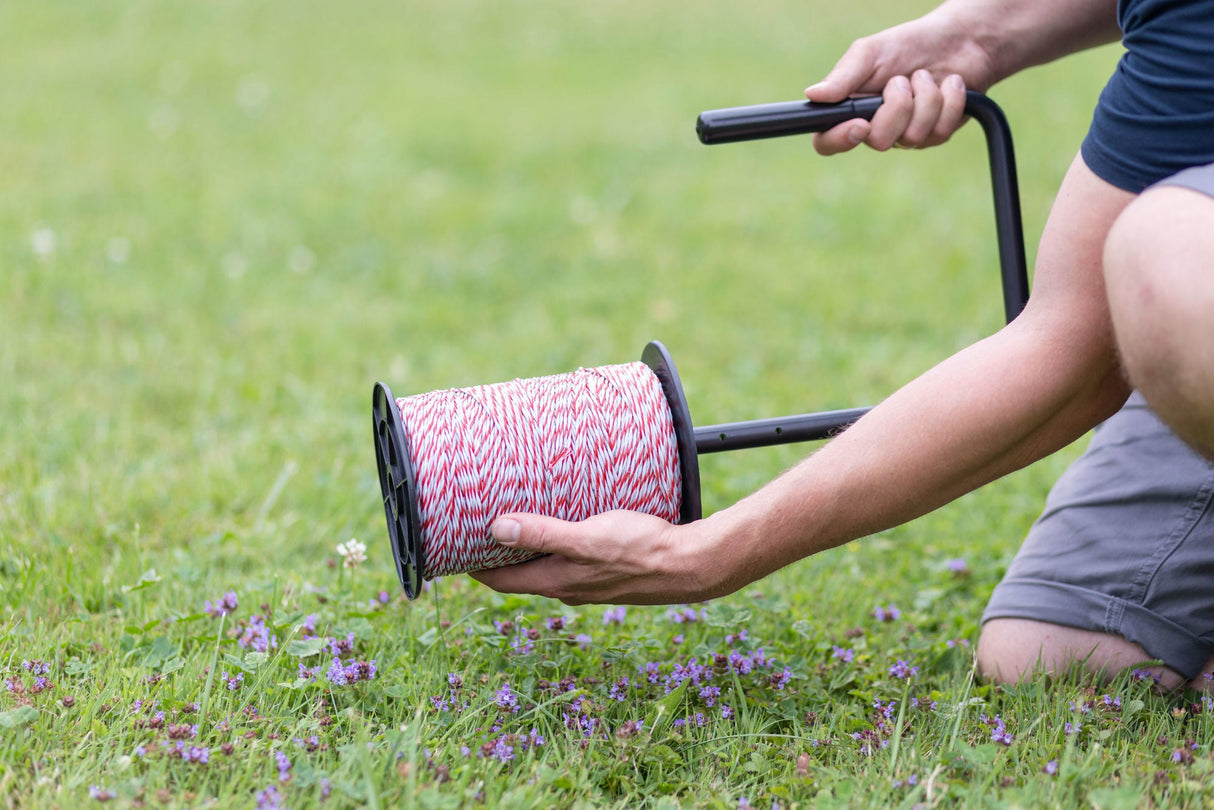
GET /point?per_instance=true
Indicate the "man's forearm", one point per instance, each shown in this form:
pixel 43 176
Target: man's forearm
pixel 1022 33
pixel 987 411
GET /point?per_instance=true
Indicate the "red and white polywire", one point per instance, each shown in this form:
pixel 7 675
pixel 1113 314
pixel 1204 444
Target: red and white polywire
pixel 569 446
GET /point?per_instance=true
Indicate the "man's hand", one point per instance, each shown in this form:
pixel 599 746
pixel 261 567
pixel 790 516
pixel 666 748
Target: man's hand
pixel 617 557
pixel 921 69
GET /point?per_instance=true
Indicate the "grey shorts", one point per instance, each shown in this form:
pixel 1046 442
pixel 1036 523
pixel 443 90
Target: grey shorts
pixel 1198 178
pixel 1125 544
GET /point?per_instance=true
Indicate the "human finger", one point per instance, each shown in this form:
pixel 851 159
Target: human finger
pixel 539 533
pixel 928 102
pixel 849 75
pixel 894 114
pixel 551 576
pixel 952 110
pixel 844 137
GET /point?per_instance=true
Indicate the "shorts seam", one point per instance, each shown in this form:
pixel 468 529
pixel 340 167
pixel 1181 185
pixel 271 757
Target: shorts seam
pixel 1198 505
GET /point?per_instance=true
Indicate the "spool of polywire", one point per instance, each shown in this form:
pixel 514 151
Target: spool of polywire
pixel 569 446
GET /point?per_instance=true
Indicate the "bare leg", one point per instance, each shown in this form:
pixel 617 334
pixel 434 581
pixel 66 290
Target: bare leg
pixel 1159 273
pixel 1012 650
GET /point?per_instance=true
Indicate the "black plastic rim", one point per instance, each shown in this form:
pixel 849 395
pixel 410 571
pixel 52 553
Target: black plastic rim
pixel 399 487
pixel 659 361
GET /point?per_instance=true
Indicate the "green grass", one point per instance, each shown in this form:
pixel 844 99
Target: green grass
pixel 221 222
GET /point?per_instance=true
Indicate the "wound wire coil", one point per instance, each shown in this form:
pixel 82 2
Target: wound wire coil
pixel 569 446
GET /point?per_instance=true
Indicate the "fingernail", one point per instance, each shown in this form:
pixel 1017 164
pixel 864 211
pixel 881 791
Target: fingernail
pixel 857 133
pixel 506 531
pixel 956 82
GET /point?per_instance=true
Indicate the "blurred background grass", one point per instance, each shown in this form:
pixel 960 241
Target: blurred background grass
pixel 221 222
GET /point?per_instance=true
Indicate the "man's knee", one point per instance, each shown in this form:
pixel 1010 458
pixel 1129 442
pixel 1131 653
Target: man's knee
pixel 1156 264
pixel 1159 278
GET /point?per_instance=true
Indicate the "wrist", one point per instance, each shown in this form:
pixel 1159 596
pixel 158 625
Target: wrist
pixel 711 553
pixel 976 41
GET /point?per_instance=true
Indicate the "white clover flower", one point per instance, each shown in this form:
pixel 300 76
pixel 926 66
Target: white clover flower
pixel 353 553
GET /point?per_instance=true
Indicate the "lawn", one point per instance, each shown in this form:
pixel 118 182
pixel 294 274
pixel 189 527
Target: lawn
pixel 222 222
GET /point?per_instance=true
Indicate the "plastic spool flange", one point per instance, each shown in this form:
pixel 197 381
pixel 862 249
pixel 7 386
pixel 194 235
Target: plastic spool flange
pixel 660 363
pixel 399 486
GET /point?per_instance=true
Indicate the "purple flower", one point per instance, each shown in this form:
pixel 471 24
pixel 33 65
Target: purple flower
pixel 196 753
pixel 685 615
pixel 779 680
pixel 36 667
pixel 886 614
pixel 1051 767
pixel 342 646
pixel 284 766
pixel 742 664
pixel 999 732
pixel 1072 728
pixel 233 682
pixel 619 690
pixel 583 640
pixel 615 615
pixel 101 794
pixel 502 751
pixel 844 655
pixel 337 673
pixel 506 699
pixel 522 644
pixel 269 799
pixel 258 636
pixel 340 674
pixel 535 738
pixel 222 607
pixel 958 566
pixel 709 695
pixel 903 670
pixel 726 712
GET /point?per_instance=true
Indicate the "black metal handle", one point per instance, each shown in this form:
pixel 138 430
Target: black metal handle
pixel 758 121
pixel 734 124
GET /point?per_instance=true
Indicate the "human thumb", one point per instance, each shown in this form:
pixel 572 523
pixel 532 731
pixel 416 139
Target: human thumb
pixel 506 531
pixel 848 76
pixel 538 533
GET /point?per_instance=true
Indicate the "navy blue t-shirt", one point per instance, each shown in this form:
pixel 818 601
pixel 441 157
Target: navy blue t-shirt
pixel 1156 114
